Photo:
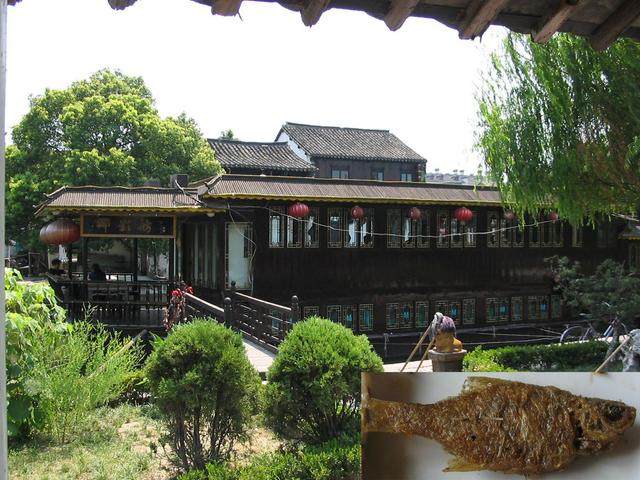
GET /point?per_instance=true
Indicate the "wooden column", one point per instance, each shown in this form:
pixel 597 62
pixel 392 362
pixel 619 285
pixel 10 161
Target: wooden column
pixel 70 260
pixel 172 258
pixel 134 260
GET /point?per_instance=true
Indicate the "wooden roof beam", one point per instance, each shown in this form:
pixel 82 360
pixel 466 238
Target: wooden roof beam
pixel 478 16
pixel 398 12
pixel 312 12
pixel 227 8
pixel 615 25
pixel 552 22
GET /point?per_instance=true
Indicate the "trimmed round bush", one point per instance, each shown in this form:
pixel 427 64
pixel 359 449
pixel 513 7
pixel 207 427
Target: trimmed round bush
pixel 313 389
pixel 202 382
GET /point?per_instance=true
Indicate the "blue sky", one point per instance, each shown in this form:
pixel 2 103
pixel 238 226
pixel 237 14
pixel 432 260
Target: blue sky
pixel 254 72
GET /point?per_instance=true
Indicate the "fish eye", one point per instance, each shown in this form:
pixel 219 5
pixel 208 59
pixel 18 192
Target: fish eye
pixel 613 412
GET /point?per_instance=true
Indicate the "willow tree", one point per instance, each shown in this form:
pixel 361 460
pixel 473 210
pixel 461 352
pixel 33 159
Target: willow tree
pixel 560 123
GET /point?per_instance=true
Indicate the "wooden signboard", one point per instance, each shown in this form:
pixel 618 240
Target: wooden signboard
pixel 117 226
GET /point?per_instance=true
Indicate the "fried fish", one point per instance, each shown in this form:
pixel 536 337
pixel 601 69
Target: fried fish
pixel 506 426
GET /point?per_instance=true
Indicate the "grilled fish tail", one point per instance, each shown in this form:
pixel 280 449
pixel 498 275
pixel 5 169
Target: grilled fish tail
pixel 395 417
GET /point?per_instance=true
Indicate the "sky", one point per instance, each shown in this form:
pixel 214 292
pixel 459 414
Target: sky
pixel 252 73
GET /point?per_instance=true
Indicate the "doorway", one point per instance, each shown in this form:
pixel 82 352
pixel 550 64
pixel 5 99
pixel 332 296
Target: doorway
pixel 239 255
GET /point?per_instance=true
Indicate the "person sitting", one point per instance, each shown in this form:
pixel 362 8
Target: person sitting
pixel 96 273
pixel 55 267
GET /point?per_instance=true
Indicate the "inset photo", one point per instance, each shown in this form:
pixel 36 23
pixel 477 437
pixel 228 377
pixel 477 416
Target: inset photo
pixel 462 426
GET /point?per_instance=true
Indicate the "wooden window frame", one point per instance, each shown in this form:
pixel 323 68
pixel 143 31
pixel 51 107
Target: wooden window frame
pixel 338 310
pixel 396 324
pixel 456 231
pixel 410 323
pixel 493 242
pixel 310 311
pixel 557 234
pixel 555 307
pixel 356 230
pixel 443 239
pixel 423 240
pixel 457 320
pixel 375 172
pixel 338 211
pixel 405 219
pixel 361 310
pixel 294 224
pixel 354 316
pixel 405 173
pixel 341 170
pixel 425 305
pixel 504 302
pixel 468 304
pixel 369 213
pixel 394 239
pixel 533 229
pixel 470 234
pixel 515 301
pixel 495 301
pixel 279 211
pixel 577 236
pixel 315 213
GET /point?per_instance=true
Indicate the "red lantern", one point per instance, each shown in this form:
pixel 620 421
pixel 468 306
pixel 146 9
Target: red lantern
pixel 357 212
pixel 553 216
pixel 60 232
pixel 415 213
pixel 298 210
pixel 509 215
pixel 463 214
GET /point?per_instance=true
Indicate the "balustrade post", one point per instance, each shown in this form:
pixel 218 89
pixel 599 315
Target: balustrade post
pixel 295 311
pixel 228 313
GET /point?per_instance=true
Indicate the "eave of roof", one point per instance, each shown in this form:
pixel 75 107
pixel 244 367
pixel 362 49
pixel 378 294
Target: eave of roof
pixel 253 187
pixel 270 156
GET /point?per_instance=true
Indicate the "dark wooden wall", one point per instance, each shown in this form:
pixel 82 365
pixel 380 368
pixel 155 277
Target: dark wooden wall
pixel 360 169
pixel 380 275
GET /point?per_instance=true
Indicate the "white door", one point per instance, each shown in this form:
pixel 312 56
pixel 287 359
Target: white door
pixel 239 254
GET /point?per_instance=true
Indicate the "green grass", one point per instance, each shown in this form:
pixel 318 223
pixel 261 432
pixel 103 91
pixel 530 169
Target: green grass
pixel 115 443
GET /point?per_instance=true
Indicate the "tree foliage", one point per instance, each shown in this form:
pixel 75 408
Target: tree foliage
pixel 313 389
pixel 560 123
pixel 101 131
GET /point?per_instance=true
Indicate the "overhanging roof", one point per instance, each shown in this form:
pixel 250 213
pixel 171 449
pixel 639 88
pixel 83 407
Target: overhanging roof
pixel 121 199
pixel 269 156
pixel 603 21
pixel 254 187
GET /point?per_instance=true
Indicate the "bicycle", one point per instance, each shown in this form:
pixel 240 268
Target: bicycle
pixel 580 333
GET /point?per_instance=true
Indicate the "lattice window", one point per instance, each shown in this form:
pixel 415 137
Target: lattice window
pixel 366 317
pixel 557 233
pixel 349 313
pixel 311 229
pixel 351 230
pixel 505 233
pixel 366 231
pixel 406 315
pixel 310 311
pixel 442 306
pixel 392 315
pixel 538 307
pixel 469 311
pixel 456 233
pixel 422 314
pixel 394 228
pixel 577 235
pixel 556 307
pixel 454 311
pixel 294 232
pixel 516 309
pixel 442 222
pixel 493 310
pixel 493 225
pixel 276 227
pixel 517 233
pixel 469 230
pixel 409 231
pixel 424 230
pixel 334 313
pixel 334 216
pixel 534 235
pixel 503 309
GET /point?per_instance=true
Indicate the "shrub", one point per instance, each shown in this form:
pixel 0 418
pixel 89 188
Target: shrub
pixel 334 460
pixel 554 357
pixel 313 389
pixel 75 373
pixel 31 314
pixel 206 389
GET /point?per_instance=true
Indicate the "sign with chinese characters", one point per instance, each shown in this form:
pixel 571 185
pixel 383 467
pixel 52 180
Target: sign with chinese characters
pixel 127 226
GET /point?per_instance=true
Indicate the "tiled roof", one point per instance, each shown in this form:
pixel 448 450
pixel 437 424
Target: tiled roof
pixel 90 198
pixel 332 190
pixel 261 156
pixel 350 143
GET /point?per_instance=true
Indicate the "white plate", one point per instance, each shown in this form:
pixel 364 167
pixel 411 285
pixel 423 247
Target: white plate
pixel 387 456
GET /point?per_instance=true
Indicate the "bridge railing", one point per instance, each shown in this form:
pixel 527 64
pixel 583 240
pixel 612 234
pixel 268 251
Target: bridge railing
pixel 262 322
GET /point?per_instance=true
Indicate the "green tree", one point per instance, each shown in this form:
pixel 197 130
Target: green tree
pixel 227 135
pixel 101 131
pixel 561 123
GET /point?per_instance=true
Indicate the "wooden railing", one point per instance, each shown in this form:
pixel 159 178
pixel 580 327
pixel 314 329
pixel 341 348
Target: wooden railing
pixel 114 303
pixel 261 322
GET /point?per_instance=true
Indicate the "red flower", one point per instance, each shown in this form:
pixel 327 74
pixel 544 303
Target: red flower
pixel 189 290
